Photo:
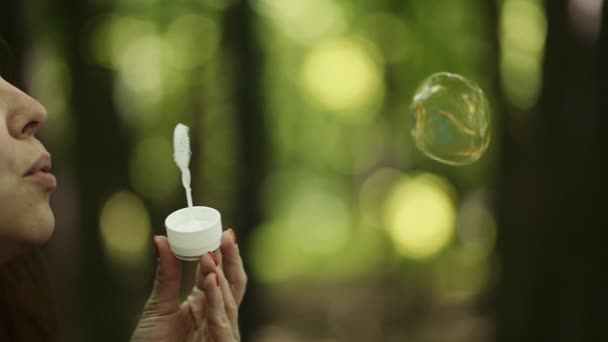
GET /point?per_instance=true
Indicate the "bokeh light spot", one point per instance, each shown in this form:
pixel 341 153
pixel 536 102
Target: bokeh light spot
pixel 113 34
pixel 343 76
pixel 141 65
pixel 318 222
pixel 271 257
pixel 125 229
pixel 523 29
pixel 311 224
pixel 420 215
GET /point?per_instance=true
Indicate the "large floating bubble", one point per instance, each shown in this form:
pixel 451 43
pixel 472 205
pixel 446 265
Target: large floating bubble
pixel 450 119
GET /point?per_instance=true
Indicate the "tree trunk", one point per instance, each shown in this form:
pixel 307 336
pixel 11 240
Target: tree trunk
pixel 242 44
pixel 13 42
pixel 548 219
pixel 100 164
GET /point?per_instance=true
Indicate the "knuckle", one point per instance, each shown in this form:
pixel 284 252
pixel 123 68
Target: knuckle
pixel 220 321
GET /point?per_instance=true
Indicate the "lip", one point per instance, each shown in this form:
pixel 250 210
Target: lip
pixel 40 172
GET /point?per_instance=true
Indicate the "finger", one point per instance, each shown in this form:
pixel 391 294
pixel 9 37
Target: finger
pixel 218 324
pixel 233 265
pixel 230 304
pixel 219 257
pixel 208 263
pixel 165 294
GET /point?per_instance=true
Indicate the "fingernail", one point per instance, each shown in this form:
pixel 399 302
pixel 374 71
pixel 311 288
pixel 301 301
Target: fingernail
pixel 213 257
pixel 236 241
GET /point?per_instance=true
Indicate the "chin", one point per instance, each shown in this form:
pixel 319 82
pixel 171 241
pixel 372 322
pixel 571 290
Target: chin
pixel 39 226
pixel 24 224
pixel 45 228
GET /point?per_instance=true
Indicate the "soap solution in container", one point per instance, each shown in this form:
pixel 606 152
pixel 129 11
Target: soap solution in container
pixel 194 231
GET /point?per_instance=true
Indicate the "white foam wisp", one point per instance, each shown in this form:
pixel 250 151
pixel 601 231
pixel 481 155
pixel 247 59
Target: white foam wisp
pixel 182 153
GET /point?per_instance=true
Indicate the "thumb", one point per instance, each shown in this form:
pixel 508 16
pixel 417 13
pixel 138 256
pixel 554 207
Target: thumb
pixel 165 294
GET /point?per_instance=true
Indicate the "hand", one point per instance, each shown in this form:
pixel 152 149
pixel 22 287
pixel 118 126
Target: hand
pixel 210 313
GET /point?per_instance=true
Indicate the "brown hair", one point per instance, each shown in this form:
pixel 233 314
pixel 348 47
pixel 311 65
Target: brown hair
pixel 27 312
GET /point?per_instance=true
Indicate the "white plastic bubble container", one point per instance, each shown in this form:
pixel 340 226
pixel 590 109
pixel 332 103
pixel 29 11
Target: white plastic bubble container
pixel 194 231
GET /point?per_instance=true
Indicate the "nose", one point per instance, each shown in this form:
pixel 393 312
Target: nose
pixel 25 115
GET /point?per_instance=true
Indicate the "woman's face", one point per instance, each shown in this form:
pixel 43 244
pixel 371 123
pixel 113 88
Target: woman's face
pixel 26 183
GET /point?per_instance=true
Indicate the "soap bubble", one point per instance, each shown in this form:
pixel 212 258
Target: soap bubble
pixel 450 119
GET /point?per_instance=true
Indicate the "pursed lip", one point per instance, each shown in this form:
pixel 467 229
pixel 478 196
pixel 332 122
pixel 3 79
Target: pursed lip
pixel 41 170
pixel 42 164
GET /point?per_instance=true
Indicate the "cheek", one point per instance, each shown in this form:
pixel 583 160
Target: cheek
pixel 8 189
pixel 8 157
pixel 9 213
pixel 7 195
pixel 9 182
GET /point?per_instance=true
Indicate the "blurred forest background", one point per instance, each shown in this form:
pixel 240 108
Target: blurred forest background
pixel 299 117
